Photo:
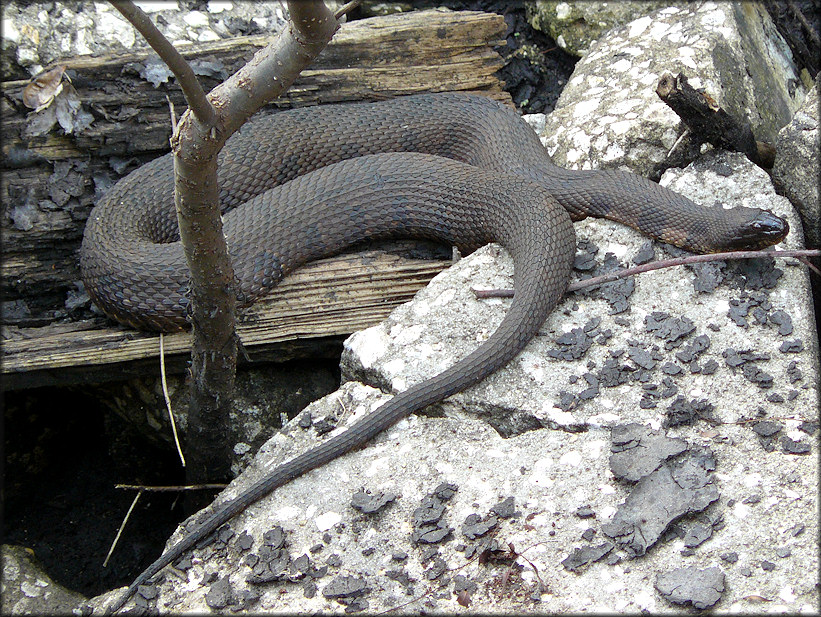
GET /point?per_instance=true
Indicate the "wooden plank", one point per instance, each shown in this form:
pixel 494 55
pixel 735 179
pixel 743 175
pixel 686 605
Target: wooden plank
pixel 327 298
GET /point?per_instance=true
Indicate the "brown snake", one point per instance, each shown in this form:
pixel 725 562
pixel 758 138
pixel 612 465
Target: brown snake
pixel 312 182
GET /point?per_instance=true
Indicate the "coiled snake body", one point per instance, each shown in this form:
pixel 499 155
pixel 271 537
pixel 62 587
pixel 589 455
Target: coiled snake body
pixel 461 169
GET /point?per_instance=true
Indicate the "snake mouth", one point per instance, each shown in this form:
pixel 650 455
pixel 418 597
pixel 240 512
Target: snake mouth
pixel 764 230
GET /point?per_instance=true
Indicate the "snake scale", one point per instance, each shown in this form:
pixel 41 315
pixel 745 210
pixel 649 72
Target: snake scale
pixel 456 168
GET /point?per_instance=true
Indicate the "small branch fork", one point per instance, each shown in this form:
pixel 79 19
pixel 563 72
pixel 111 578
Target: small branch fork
pixel 801 255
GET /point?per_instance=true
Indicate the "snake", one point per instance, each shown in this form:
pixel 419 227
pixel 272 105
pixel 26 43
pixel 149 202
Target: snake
pixel 303 184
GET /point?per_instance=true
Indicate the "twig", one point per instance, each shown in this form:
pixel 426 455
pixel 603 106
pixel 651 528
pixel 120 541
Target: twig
pixel 173 115
pixel 807 26
pixel 346 8
pixel 168 401
pixel 120 530
pixel 657 265
pixel 190 85
pixel 810 265
pixel 170 489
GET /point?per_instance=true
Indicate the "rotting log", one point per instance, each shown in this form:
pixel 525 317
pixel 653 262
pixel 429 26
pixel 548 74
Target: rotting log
pixel 49 183
pixel 328 298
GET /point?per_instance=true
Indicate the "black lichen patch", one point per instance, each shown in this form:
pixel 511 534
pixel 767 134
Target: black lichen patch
pixel 574 344
pixel 429 524
pixel 681 485
pixel 637 451
pixel 583 556
pixel 697 535
pixel 794 373
pixel 506 508
pixel 672 330
pixel 782 321
pixel 699 588
pixel 220 594
pixel 747 359
pixel 645 254
pixel 753 274
pixel 616 293
pixel 272 561
pixel 790 446
pixel 585 260
pixel 708 275
pixel 403 578
pixel 476 526
pixel 368 503
pixel 348 591
pixel 792 346
pixel 585 512
pixel 694 349
pixel 684 412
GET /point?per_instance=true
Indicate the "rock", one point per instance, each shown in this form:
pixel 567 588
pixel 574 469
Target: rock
pixel 36 34
pixel 415 343
pixel 575 26
pixel 610 116
pixel 796 171
pixel 483 442
pixel 700 588
pixel 27 590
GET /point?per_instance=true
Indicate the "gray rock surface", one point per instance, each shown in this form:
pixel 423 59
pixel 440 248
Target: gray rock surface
pixel 609 114
pixel 700 588
pixel 600 351
pixel 35 33
pixel 27 590
pixel 796 172
pixel 726 387
pixel 575 26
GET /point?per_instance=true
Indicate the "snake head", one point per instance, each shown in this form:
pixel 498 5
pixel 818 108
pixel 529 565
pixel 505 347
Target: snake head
pixel 755 229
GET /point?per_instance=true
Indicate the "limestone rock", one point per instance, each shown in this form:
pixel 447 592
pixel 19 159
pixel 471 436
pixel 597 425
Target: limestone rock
pixel 703 364
pixel 27 590
pixel 796 172
pixel 595 343
pixel 610 116
pixel 35 34
pixel 576 25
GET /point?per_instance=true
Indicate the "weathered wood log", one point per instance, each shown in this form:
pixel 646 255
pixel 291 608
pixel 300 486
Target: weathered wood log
pixel 710 123
pixel 328 298
pixel 50 182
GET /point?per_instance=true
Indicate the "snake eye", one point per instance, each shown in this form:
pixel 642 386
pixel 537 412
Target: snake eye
pixel 771 226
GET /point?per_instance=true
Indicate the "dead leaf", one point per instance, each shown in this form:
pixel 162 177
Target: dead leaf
pixel 463 598
pixel 43 88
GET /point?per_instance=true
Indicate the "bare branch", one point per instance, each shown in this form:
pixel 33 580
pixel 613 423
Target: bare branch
pixel 657 265
pixel 274 68
pixel 188 82
pixel 346 8
pixel 172 488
